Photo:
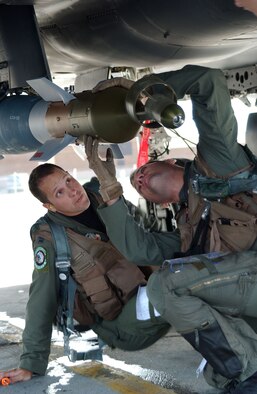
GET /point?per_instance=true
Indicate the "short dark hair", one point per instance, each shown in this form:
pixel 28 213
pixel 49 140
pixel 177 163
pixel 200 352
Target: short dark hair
pixel 36 177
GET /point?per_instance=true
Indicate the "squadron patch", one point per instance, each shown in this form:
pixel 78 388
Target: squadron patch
pixel 40 258
pixel 95 236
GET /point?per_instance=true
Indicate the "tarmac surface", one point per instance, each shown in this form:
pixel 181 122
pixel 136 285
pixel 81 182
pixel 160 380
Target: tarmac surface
pixel 167 367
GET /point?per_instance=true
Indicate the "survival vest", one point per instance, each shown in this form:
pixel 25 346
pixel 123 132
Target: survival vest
pixel 104 275
pixel 105 279
pixel 221 213
pixel 94 281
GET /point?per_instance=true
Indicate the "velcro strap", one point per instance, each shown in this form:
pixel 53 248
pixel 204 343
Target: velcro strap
pixel 111 192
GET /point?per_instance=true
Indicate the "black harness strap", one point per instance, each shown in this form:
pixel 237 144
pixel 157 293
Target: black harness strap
pixel 67 290
pixel 183 195
pixel 67 286
pixel 199 239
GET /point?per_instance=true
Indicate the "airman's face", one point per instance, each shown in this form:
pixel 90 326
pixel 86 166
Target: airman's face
pixel 153 181
pixel 64 193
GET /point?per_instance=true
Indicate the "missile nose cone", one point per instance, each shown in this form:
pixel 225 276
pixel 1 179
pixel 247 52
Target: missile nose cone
pixel 172 116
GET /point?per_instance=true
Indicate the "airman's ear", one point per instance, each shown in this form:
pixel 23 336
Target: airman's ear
pixel 49 206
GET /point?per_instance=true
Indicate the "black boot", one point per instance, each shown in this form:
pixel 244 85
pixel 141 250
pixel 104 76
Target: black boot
pixel 214 347
pixel 248 386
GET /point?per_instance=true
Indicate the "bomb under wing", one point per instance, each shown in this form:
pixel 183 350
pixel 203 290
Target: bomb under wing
pixel 48 122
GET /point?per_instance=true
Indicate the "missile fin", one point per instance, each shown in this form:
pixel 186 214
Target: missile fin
pixel 51 147
pixel 49 91
pixel 117 153
pixel 80 151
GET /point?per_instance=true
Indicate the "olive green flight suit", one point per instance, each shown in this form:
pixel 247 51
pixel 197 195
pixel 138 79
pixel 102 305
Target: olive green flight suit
pixel 127 331
pixel 217 126
pixel 217 292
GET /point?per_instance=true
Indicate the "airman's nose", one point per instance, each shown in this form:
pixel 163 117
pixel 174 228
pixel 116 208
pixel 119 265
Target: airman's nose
pixel 72 192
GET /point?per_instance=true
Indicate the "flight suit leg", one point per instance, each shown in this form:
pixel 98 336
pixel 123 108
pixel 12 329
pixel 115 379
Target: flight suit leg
pixel 227 342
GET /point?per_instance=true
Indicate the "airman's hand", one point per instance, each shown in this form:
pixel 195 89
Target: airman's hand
pixel 109 83
pixel 110 188
pixel 17 375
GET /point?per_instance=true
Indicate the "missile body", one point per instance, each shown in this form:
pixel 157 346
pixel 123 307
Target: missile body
pixel 15 134
pixel 102 115
pixel 48 122
pixel 28 122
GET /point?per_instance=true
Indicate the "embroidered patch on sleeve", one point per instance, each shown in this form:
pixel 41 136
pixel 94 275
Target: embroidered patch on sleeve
pixel 40 258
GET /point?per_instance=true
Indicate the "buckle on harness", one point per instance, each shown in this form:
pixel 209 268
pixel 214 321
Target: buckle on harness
pixel 206 210
pixel 62 264
pixel 195 184
pixel 92 354
pixel 63 269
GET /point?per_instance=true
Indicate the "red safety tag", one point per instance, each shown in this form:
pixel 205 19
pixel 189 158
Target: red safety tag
pixel 144 147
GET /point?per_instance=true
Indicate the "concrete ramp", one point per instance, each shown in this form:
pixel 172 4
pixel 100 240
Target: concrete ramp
pixel 167 367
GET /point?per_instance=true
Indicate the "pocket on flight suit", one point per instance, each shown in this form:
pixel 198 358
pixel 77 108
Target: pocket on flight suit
pixel 155 291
